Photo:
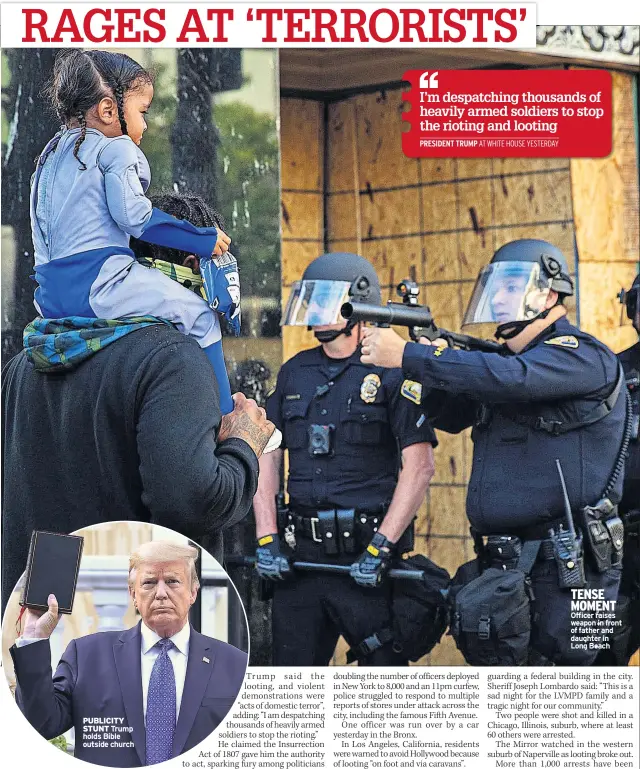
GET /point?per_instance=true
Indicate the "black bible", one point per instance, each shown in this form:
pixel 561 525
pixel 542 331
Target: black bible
pixel 52 567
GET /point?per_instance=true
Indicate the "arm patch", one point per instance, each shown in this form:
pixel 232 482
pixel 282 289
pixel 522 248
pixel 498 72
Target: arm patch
pixel 412 391
pixel 564 341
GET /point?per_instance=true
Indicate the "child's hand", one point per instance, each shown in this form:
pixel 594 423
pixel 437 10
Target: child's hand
pixel 222 244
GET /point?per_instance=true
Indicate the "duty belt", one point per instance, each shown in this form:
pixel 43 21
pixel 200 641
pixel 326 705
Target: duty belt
pixel 330 524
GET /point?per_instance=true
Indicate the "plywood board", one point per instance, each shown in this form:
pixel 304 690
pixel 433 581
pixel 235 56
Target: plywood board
pixel 390 213
pixel 475 204
pixel 437 170
pixel 381 161
pixel 475 250
pixel 441 257
pixel 605 190
pixel 395 259
pixel 530 198
pixel 342 157
pixel 448 553
pixel 302 215
pixel 449 458
pixel 295 339
pixel 601 314
pixel 446 511
pixel 522 165
pixel 342 216
pixel 469 168
pixel 295 258
pixel 301 144
pixel 439 207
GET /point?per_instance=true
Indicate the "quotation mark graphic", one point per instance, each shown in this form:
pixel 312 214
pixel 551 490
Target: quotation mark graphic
pixel 429 80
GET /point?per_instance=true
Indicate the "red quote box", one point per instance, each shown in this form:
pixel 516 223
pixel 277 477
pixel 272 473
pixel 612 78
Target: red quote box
pixel 507 113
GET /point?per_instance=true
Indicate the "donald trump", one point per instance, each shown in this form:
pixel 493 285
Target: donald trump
pixel 135 697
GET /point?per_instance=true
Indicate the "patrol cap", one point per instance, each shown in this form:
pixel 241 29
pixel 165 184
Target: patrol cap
pixel 317 298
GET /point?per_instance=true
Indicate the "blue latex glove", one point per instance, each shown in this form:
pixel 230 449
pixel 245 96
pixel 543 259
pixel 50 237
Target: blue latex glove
pixel 222 286
pixel 270 563
pixel 369 570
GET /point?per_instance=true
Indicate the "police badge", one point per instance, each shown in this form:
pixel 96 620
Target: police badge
pixel 369 388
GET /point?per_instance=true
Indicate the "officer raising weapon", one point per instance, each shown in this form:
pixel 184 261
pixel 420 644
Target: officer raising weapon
pixel 552 391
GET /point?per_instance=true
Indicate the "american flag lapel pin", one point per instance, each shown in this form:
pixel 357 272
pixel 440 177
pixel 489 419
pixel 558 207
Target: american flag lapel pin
pixel 205 659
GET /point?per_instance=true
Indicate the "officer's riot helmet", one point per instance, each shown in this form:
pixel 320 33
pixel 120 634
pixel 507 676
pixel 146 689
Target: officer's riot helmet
pixel 317 298
pixel 631 299
pixel 515 286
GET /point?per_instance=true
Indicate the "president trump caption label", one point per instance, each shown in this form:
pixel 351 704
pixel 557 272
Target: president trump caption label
pixel 514 113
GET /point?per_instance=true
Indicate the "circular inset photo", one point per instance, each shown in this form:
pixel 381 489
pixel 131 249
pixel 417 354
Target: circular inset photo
pixel 124 644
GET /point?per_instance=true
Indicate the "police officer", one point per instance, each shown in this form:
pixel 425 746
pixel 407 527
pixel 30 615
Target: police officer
pixel 554 392
pixel 360 460
pixel 627 641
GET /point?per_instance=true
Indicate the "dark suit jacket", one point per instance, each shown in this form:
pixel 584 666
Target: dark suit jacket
pixel 99 677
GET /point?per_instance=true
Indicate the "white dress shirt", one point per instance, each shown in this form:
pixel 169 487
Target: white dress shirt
pixel 178 654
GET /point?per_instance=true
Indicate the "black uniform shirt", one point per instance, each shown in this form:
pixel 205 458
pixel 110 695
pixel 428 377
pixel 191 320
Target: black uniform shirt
pixel 372 421
pixel 630 360
pixel 563 374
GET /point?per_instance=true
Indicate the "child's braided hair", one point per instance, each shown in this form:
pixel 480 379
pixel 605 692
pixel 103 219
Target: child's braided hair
pixel 182 205
pixel 82 78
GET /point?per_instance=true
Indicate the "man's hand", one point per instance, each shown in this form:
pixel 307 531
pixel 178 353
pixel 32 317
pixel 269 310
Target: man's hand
pixel 270 563
pixel 373 564
pixel 41 624
pixel 248 422
pixel 382 347
pixel 222 244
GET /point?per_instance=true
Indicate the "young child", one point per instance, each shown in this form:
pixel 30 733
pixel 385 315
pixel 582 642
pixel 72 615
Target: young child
pixel 88 198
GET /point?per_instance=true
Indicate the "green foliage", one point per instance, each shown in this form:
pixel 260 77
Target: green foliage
pixel 60 742
pixel 156 144
pixel 249 193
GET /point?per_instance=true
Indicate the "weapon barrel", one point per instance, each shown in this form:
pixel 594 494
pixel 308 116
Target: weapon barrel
pixel 395 314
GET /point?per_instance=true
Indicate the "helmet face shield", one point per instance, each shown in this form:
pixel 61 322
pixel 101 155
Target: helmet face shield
pixel 316 303
pixel 508 291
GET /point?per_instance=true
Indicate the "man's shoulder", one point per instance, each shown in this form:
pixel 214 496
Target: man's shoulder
pixel 156 344
pixel 302 358
pixel 104 638
pixel 568 336
pixel 143 344
pixel 224 649
pixel 225 656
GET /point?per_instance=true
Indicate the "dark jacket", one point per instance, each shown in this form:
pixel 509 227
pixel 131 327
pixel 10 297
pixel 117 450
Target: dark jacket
pixel 99 677
pixel 130 434
pixel 561 375
pixel 630 360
